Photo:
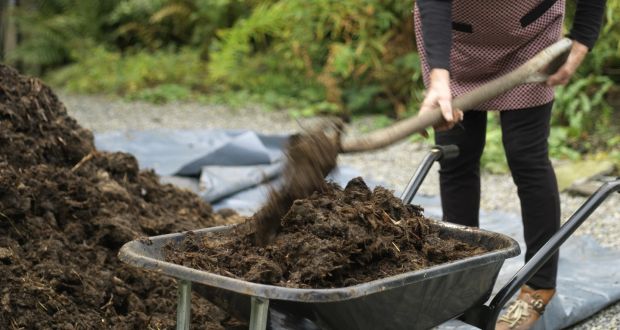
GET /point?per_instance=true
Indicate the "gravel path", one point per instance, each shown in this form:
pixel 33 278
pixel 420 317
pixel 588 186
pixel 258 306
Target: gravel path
pixel 393 165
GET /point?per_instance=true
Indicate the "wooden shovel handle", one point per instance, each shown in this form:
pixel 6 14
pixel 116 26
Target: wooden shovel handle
pixel 404 128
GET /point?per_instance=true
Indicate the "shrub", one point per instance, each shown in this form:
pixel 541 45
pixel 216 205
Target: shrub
pixel 356 54
pixel 99 70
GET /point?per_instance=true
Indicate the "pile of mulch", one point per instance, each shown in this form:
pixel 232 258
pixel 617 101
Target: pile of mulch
pixel 66 209
pixel 335 238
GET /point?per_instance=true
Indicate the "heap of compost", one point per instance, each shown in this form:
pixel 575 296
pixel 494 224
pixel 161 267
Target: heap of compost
pixel 334 238
pixel 66 209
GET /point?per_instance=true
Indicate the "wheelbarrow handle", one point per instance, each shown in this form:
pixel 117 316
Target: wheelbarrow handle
pixel 485 317
pixel 547 61
pixel 437 153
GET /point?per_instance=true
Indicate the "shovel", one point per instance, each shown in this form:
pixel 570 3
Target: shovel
pixel 313 155
pixel 536 70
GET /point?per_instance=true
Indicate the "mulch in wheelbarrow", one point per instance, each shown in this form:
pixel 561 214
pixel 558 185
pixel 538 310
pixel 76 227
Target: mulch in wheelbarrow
pixel 335 238
pixel 66 209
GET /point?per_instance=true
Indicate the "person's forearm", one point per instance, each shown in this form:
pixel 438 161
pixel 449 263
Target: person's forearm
pixel 587 23
pixel 436 19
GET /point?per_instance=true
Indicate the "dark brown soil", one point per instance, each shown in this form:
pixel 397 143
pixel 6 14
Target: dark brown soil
pixel 334 238
pixel 310 157
pixel 65 210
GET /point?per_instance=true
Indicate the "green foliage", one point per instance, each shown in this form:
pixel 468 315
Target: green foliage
pixel 153 24
pixel 268 101
pixel 163 94
pixel 138 75
pixel 558 148
pixel 51 29
pixel 356 54
pixel 345 57
pixel 581 108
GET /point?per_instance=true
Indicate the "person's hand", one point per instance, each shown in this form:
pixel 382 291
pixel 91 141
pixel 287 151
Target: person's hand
pixel 577 53
pixel 439 94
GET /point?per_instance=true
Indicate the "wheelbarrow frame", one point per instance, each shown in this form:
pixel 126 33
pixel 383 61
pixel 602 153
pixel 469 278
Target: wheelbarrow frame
pixel 485 316
pixel 481 315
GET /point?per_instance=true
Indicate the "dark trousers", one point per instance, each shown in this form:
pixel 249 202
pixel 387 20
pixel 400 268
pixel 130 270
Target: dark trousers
pixel 524 135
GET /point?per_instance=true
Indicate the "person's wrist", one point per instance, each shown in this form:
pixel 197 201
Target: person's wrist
pixel 579 48
pixel 439 77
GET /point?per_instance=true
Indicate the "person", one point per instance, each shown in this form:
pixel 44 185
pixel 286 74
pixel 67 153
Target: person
pixel 463 44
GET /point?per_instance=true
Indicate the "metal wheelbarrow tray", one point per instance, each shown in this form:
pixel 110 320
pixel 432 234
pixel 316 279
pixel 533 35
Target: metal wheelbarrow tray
pixel 413 300
pixel 425 297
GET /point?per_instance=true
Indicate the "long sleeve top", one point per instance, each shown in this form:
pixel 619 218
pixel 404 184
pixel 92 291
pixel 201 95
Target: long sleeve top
pixel 435 16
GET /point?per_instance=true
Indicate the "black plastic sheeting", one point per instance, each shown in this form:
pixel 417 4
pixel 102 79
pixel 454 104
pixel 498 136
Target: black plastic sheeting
pixel 228 168
pixel 186 152
pixel 233 169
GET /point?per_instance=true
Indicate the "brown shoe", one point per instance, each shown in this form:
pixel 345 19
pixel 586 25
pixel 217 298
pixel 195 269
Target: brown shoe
pixel 526 310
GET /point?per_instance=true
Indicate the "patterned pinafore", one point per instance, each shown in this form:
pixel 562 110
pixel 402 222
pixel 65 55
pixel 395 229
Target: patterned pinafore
pixel 493 37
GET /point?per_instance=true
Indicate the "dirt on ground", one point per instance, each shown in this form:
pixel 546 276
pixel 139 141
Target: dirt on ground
pixel 66 209
pixel 335 238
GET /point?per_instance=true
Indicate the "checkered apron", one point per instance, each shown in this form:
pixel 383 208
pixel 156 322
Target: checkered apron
pixel 493 37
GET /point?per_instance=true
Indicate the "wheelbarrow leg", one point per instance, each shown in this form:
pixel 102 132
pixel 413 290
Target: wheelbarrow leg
pixel 184 304
pixel 260 311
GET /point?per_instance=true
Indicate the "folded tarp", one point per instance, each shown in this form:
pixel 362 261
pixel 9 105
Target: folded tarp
pixel 186 152
pixel 230 169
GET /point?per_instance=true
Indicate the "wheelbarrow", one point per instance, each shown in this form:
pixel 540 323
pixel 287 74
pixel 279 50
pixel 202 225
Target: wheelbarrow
pixel 413 300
